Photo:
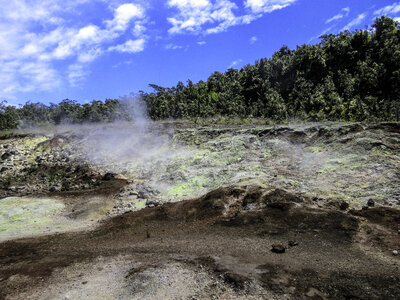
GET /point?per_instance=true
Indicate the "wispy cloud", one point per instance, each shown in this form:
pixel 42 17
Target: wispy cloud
pixel 267 6
pixel 235 63
pixel 35 36
pixel 343 13
pixel 201 43
pixel 76 73
pixel 130 46
pixel 253 39
pixel 210 17
pixel 388 10
pixel 353 23
pixel 173 47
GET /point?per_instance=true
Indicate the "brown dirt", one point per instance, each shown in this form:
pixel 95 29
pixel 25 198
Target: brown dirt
pixel 216 246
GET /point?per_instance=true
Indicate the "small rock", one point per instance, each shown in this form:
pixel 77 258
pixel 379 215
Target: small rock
pixel 141 195
pixel 278 248
pixel 364 207
pixel 5 155
pixel 292 243
pixel 343 205
pixel 371 203
pixel 395 252
pixel 52 189
pixel 109 176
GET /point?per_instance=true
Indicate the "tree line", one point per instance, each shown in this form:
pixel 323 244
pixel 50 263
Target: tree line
pixel 349 76
pixel 67 111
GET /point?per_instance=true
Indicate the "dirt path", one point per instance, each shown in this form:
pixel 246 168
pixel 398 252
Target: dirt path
pixel 216 246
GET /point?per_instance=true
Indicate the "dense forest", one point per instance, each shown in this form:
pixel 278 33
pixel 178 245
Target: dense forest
pixel 350 76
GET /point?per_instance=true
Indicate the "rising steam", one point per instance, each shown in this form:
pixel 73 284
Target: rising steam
pixel 123 146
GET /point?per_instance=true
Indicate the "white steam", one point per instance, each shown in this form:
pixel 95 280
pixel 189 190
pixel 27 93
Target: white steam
pixel 122 147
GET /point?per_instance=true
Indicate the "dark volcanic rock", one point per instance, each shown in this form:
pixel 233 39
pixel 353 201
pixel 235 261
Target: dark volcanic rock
pixel 109 176
pixel 278 248
pixel 6 155
pixel 343 205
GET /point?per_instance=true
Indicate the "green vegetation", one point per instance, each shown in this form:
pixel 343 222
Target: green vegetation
pixel 67 111
pixel 350 76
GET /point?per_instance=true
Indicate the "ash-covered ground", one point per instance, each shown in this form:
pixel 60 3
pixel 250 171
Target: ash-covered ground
pixel 177 210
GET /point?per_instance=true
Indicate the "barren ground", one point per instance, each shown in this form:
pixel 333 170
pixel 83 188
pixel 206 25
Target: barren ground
pixel 197 215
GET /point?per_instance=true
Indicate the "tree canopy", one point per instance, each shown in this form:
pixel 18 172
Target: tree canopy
pixel 349 76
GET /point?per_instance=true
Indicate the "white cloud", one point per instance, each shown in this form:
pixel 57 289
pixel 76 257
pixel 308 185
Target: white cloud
pixel 126 62
pixel 326 30
pixel 214 16
pixel 355 22
pixel 267 6
pixel 131 46
pixel 90 55
pixel 76 73
pixel 34 35
pixel 223 13
pixel 388 10
pixel 125 14
pixel 201 43
pixel 343 13
pixel 235 63
pixel 173 47
pixel 253 39
pixel 193 15
pixel 138 29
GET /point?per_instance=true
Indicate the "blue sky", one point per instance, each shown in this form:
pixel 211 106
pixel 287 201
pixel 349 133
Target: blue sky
pixel 97 49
